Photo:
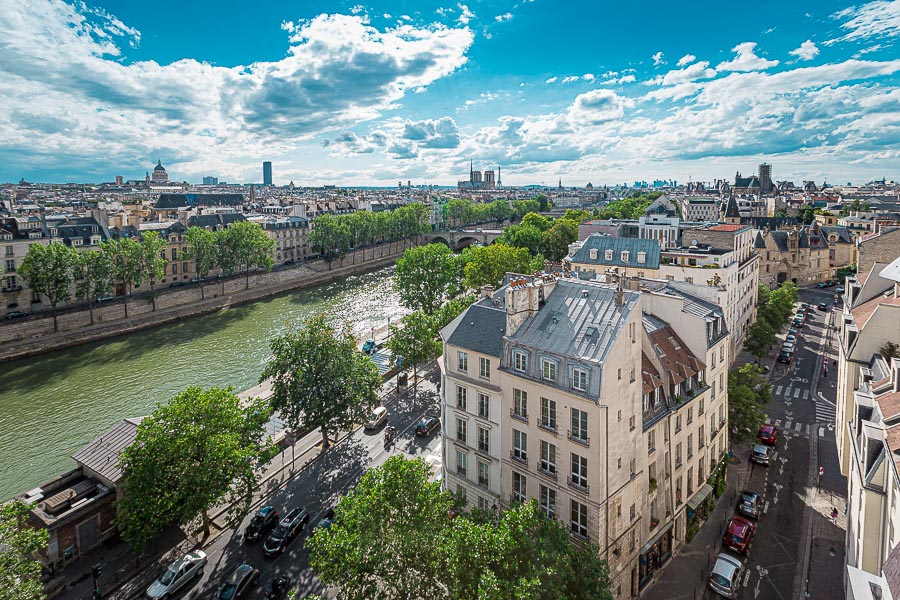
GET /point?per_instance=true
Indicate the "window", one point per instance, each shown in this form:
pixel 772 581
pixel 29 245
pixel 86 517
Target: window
pixel 520 445
pixel 579 471
pixel 520 361
pixel 484 439
pixel 174 253
pixel 579 379
pixel 462 361
pixel 11 265
pixel 461 397
pixel 641 258
pixel 461 430
pixel 520 404
pixel 608 255
pixel 484 367
pixel 461 492
pixel 484 405
pixel 721 355
pixel 548 457
pixel 712 391
pixel 626 255
pixel 631 512
pixel 677 423
pixel 462 460
pixel 700 473
pixel 484 472
pixel 593 253
pixel 690 445
pixel 690 415
pixel 701 439
pixel 651 440
pixel 519 485
pixel 548 414
pixel 631 422
pixel 483 504
pixel 579 519
pixel 700 408
pixel 619 374
pixel 579 431
pixel 548 501
pixel 678 454
pixel 174 268
pixel 690 481
pixel 548 368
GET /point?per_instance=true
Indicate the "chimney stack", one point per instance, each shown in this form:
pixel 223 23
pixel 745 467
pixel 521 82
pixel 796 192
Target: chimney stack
pixel 487 291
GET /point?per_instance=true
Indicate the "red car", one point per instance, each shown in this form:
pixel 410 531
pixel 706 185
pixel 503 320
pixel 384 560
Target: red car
pixel 738 534
pixel 768 434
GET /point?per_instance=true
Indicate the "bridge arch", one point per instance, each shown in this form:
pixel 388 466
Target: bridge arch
pixel 466 241
pixel 441 240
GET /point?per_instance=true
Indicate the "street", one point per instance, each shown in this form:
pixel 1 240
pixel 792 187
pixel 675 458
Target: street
pixel 793 542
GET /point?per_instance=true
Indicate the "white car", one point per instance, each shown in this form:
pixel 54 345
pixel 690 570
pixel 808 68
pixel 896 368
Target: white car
pixel 185 569
pixel 726 575
pixel 378 416
pixel 788 347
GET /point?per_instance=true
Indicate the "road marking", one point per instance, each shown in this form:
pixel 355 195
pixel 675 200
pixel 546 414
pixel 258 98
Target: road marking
pixel 821 432
pixel 777 487
pixel 797 393
pixel 787 393
pixel 787 424
pixel 797 426
pixel 777 422
pixel 806 393
pixel 806 431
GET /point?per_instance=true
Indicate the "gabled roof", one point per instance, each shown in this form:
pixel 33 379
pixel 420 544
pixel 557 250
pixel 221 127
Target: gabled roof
pixel 672 352
pixel 102 454
pixel 601 243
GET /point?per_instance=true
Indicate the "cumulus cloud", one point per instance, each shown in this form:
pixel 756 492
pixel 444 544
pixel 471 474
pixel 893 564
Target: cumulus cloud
pixel 879 19
pixel 698 70
pixel 658 59
pixel 429 133
pixel 551 80
pixel 686 60
pixel 465 15
pixel 596 106
pixel 619 80
pixel 807 50
pixel 746 59
pixel 60 61
pixel 503 17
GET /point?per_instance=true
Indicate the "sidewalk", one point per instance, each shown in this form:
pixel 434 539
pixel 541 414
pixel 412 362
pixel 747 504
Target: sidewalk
pixel 127 575
pixel 685 575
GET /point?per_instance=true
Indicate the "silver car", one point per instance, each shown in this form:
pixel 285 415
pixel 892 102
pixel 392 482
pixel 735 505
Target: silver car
pixel 726 575
pixel 761 454
pixel 187 568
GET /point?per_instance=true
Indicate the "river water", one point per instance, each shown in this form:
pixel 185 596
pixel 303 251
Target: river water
pixel 51 405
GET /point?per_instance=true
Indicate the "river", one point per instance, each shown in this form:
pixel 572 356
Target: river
pixel 51 405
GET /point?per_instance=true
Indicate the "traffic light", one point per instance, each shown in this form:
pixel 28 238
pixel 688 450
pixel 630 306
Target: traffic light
pixel 97 571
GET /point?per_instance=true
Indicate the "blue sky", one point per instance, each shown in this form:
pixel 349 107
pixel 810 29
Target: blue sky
pixel 374 93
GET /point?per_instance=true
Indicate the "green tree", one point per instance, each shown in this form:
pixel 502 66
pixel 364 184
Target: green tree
pixel 247 247
pixel 194 452
pixel 426 276
pixel 20 572
pixel 459 213
pixel 330 236
pixel 780 306
pixel 578 215
pixel 451 310
pixel 121 254
pixel 543 202
pixel 748 393
pixel 50 271
pixel 415 339
pixel 759 339
pixel 762 296
pixel 555 241
pixel 320 379
pixel 522 236
pixel 151 260
pixel 202 249
pixel 93 279
pixel 489 264
pixel 890 350
pixel 538 221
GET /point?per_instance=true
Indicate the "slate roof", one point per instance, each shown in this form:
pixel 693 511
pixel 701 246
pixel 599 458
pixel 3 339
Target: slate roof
pixel 602 243
pixel 167 201
pixel 731 209
pixel 479 328
pixel 102 454
pixel 844 234
pixel 215 221
pixel 579 319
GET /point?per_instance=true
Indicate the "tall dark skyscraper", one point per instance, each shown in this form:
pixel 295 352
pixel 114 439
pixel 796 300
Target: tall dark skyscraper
pixel 267 173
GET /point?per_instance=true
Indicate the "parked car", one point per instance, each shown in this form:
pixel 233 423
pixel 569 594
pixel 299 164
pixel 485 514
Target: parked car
pixel 768 434
pixel 262 523
pixel 804 306
pixel 823 306
pixel 789 347
pixel 726 575
pixel 797 323
pixel 16 314
pixel 377 419
pixel 292 524
pixel 820 285
pixel 830 283
pixel 749 504
pixel 105 299
pixel 839 289
pixel 785 357
pixel 179 573
pixel 426 426
pixel 368 346
pixel 793 332
pixel 239 583
pixel 738 534
pixel 176 284
pixel 761 454
pixel 326 521
pixel 791 337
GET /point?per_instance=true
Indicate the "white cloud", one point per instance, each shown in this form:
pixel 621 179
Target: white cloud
pixel 595 107
pixel 619 80
pixel 746 59
pixel 570 78
pixel 356 9
pixel 686 60
pixel 658 59
pixel 465 15
pixel 807 50
pixel 871 20
pixel 698 70
pixel 432 133
pixel 503 17
pixel 551 80
pixel 588 77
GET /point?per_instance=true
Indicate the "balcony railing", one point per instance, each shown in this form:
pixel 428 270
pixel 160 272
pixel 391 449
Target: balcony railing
pixel 548 472
pixel 578 486
pixel 584 441
pixel 547 426
pixel 518 415
pixel 519 457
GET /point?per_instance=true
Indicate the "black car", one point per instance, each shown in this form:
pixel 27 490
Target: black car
pixel 292 524
pixel 239 583
pixel 262 523
pixel 823 306
pixel 785 357
pixel 426 426
pixel 16 314
pixel 749 504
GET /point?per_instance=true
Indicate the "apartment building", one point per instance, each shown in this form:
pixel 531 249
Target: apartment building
pixel 17 234
pixel 607 417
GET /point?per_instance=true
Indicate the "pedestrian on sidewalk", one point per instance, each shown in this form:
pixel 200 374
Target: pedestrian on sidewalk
pixel 834 514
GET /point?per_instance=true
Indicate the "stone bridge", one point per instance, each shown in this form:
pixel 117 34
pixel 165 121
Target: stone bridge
pixel 461 238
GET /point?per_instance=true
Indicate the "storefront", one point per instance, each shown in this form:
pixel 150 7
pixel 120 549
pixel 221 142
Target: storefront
pixel 655 554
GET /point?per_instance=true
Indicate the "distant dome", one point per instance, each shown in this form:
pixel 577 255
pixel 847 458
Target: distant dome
pixel 159 167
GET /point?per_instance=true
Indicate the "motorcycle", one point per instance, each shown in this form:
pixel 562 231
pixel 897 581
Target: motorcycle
pixel 280 586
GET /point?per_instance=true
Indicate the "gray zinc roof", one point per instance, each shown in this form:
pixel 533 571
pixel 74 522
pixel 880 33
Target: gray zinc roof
pixel 479 328
pixel 602 243
pixel 102 454
pixel 578 319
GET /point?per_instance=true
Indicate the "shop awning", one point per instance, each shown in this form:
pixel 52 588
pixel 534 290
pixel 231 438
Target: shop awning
pixel 700 496
pixel 662 531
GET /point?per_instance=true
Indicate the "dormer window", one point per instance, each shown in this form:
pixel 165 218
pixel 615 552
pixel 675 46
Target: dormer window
pixel 77 241
pixel 593 254
pixel 53 232
pixel 625 256
pixel 641 257
pixel 608 255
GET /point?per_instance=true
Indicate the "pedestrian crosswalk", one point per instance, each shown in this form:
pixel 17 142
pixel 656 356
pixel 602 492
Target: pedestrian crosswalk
pixel 825 411
pixel 796 427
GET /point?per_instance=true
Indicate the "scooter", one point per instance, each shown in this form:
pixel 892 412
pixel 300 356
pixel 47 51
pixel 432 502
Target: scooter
pixel 280 586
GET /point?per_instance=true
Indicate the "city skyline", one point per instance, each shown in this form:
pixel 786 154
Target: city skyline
pixel 392 91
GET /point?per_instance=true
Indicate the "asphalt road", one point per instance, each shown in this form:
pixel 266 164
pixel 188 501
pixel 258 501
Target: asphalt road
pixel 773 563
pixel 319 488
